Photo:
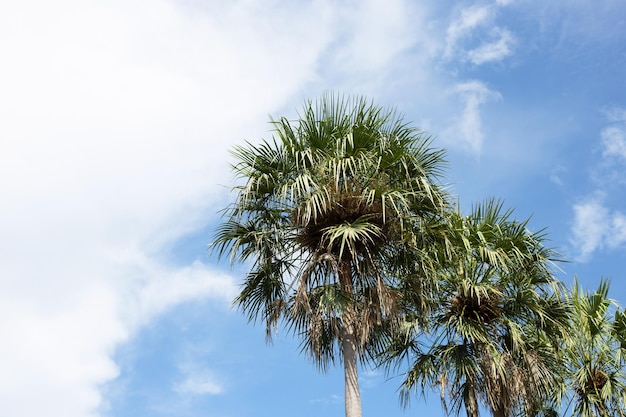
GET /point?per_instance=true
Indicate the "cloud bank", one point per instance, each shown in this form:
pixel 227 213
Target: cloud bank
pixel 117 118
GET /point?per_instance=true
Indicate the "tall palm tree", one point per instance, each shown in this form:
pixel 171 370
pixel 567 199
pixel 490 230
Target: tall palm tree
pixel 596 361
pixel 336 213
pixel 493 339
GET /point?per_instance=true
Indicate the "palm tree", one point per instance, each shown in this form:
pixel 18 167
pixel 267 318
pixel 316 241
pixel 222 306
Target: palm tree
pixel 336 213
pixel 596 365
pixel 494 338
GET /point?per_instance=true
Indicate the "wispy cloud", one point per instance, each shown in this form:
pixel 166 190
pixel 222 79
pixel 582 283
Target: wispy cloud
pixel 596 227
pixel 493 51
pixel 556 173
pixel 332 399
pixel 469 19
pixel 618 236
pixel 372 378
pixel 468 130
pixel 466 34
pixel 158 287
pixel 591 224
pixel 616 114
pixel 614 141
pixel 386 34
pixel 199 382
pixel 614 136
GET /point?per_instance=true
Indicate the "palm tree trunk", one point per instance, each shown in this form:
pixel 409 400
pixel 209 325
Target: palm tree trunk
pixel 471 403
pixel 349 347
pixel 352 392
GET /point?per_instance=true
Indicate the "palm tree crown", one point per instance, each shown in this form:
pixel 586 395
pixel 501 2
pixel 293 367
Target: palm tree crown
pixel 493 337
pixel 335 213
pixel 596 365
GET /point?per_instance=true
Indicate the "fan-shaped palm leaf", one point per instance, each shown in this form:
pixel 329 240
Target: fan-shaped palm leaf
pixel 337 213
pixel 494 337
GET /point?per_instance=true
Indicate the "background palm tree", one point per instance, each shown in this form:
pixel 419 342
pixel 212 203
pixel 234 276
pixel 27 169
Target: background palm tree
pixel 494 337
pixel 336 213
pixel 596 365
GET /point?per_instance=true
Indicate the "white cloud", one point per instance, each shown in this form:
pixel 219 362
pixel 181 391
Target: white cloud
pixel 608 173
pixel 49 357
pixel 157 287
pixel 115 121
pixel 596 227
pixel 387 34
pixel 614 136
pixel 466 33
pixel 590 227
pixel 117 117
pixel 468 20
pixel 197 376
pixel 614 141
pixel 616 114
pixel 468 129
pixel 371 40
pixel 493 51
pixel 618 228
pixel 199 382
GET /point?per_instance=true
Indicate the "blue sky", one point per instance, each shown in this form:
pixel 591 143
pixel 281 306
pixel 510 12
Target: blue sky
pixel 115 122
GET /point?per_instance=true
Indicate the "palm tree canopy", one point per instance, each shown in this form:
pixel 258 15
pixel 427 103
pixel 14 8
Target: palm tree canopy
pixel 596 361
pixel 493 335
pixel 334 213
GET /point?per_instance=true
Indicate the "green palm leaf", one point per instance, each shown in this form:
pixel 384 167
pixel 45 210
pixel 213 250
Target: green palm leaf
pixel 338 211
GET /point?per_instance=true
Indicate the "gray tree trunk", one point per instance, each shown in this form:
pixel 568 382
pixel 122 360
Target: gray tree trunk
pixel 352 393
pixel 349 347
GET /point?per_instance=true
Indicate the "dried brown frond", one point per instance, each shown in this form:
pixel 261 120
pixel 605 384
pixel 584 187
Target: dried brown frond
pixel 594 383
pixel 484 309
pixel 347 208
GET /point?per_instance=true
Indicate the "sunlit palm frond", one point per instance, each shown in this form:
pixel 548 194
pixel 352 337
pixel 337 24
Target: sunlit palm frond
pixel 596 369
pixel 494 337
pixel 337 214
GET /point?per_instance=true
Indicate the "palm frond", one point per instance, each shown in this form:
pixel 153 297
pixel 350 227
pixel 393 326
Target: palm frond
pixel 338 213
